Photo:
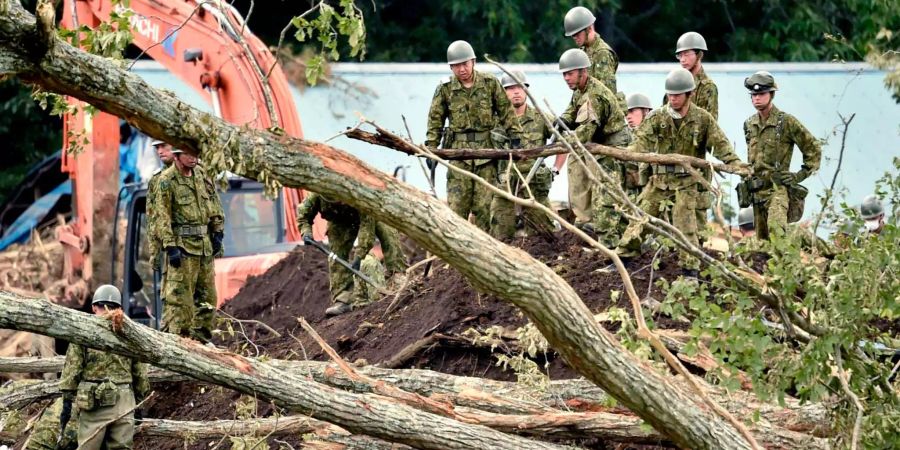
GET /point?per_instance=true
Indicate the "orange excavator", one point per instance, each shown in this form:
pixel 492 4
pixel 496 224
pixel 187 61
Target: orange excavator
pixel 207 45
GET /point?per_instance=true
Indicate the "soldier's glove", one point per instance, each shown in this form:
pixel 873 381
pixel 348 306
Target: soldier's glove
pixel 217 239
pixel 515 143
pixel 138 416
pixel 174 254
pixel 307 239
pixel 356 263
pixel 430 163
pixel 784 178
pixel 65 415
pixel 801 175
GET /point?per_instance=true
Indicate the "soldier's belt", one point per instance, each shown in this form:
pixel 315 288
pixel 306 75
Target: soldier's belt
pixel 757 184
pixel 123 384
pixel 471 136
pixel 664 169
pixel 190 230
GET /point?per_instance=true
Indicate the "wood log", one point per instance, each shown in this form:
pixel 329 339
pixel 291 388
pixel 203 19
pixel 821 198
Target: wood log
pixel 500 397
pixel 37 57
pixel 388 141
pixel 358 413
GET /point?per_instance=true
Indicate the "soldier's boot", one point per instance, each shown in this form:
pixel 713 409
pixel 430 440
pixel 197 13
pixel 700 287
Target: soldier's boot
pixel 342 304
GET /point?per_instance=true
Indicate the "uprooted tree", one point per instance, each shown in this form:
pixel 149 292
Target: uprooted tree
pixel 30 51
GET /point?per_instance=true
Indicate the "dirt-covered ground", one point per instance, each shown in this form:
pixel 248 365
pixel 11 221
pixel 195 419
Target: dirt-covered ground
pixel 443 303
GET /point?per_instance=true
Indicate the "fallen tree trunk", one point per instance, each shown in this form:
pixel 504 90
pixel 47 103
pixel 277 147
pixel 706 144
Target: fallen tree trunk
pixel 358 413
pixel 30 50
pixel 500 397
pixel 621 154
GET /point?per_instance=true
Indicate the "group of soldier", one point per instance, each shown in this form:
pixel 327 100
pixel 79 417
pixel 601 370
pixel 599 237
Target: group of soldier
pixel 472 110
pixel 476 113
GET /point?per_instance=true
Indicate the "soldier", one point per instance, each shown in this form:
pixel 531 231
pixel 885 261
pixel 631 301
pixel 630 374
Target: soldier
pixel 164 152
pixel 473 103
pixel 745 222
pixel 638 106
pixel 191 222
pixel 771 135
pixel 681 128
pixel 636 175
pixel 535 133
pixel 346 225
pixel 593 115
pixel 105 387
pixel 579 25
pixel 872 212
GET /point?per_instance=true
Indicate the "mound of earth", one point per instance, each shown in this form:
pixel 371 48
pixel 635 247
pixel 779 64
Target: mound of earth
pixel 443 304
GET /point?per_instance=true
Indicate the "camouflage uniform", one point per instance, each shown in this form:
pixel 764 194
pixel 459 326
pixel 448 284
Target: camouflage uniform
pixel 693 135
pixel 770 146
pixel 46 430
pixel 604 62
pixel 593 114
pixel 372 268
pixel 472 113
pixel 535 133
pixel 706 96
pixel 155 251
pixel 103 386
pixel 188 210
pixel 346 225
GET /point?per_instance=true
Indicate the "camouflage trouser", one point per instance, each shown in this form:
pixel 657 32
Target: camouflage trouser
pixel 608 222
pixel 581 193
pixel 46 430
pixel 364 293
pixel 466 196
pixel 190 297
pixel 770 209
pixel 704 203
pixel 503 212
pixel 677 195
pixel 114 433
pixel 340 239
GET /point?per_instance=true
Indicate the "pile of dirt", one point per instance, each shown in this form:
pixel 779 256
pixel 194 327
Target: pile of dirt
pixel 442 304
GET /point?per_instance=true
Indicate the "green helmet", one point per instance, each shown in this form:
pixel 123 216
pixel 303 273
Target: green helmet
pixel 679 81
pixel 572 59
pixel 871 208
pixel 577 19
pixel 508 81
pixel 637 101
pixel 745 217
pixel 459 51
pixel 760 82
pixel 691 40
pixel 107 294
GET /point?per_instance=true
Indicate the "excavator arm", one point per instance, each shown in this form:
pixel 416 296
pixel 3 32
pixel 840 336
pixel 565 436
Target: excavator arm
pixel 209 47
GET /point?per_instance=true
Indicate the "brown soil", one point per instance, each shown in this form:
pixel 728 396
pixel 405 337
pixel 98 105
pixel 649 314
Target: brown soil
pixel 443 303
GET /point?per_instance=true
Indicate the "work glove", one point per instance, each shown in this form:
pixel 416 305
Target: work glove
pixel 801 175
pixel 65 415
pixel 307 239
pixel 138 416
pixel 784 178
pixel 515 143
pixel 174 254
pixel 217 238
pixel 356 263
pixel 430 163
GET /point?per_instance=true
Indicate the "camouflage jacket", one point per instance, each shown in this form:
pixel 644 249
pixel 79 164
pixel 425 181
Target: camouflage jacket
pixel 770 143
pixel 604 62
pixel 187 202
pixel 87 364
pixel 696 135
pixel 478 109
pixel 706 94
pixel 535 131
pixel 153 234
pixel 593 114
pixel 336 212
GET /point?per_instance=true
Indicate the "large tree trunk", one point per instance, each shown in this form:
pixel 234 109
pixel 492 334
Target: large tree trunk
pixel 31 51
pixel 369 414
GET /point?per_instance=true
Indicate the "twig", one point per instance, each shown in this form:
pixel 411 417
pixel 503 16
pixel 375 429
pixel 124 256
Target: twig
pixel 837 170
pixel 281 38
pixel 845 385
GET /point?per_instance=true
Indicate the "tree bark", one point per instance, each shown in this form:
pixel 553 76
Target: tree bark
pixel 358 413
pixel 621 154
pixel 489 265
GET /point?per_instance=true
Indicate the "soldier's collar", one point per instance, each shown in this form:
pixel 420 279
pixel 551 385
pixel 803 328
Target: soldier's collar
pixel 772 119
pixel 457 85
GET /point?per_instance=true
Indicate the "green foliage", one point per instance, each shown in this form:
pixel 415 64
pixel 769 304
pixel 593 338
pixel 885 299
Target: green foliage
pixel 109 39
pixel 325 28
pixel 853 298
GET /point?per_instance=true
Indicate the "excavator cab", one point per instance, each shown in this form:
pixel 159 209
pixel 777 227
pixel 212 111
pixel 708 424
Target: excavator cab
pixel 254 231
